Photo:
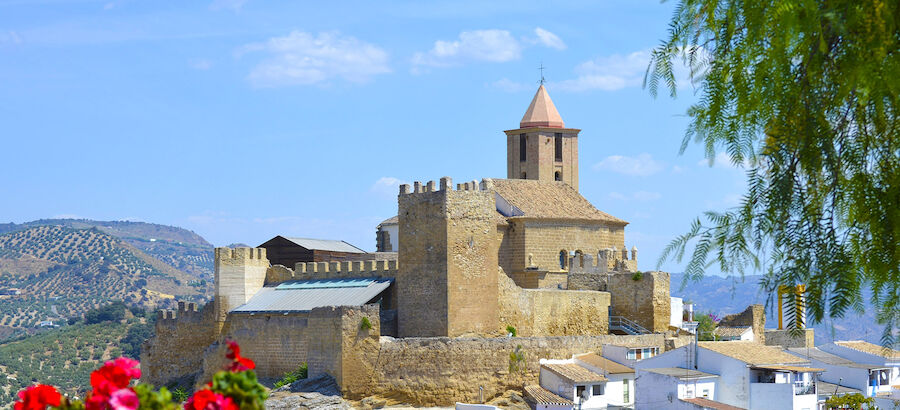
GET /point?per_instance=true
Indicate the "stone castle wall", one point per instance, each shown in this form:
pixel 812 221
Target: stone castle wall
pixel 644 300
pixel 754 316
pixel 276 342
pixel 175 352
pixel 239 274
pixel 552 312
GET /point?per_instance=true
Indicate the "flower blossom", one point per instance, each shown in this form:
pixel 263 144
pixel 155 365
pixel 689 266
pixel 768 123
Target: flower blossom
pixel 208 400
pixel 238 363
pixel 37 397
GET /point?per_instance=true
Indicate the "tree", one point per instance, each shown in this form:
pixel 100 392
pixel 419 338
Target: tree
pixel 804 95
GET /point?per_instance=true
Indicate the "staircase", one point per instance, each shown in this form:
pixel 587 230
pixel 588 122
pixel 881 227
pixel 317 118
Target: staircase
pixel 626 326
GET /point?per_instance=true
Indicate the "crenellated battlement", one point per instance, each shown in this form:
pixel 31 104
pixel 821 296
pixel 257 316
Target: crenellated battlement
pixel 331 270
pixel 608 260
pixel 446 184
pixel 231 254
pixel 185 312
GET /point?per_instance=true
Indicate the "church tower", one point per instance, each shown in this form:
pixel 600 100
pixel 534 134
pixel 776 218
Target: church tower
pixel 542 148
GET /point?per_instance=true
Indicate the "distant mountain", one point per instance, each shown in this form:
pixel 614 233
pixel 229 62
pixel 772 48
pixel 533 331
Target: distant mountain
pixel 54 269
pixel 723 296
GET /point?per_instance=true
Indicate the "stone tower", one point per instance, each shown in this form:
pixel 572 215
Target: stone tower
pixel 447 283
pixel 542 147
pixel 240 273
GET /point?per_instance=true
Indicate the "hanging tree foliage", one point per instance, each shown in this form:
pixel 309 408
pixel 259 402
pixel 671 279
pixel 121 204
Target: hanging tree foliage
pixel 804 95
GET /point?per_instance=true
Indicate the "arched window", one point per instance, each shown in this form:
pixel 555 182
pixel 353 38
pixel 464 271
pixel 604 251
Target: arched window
pixel 557 176
pixel 523 175
pixel 563 258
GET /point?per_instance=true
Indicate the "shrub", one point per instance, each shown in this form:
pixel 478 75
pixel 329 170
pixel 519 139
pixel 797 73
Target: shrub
pixel 637 276
pixel 365 324
pixel 112 312
pixel 301 373
pixel 511 330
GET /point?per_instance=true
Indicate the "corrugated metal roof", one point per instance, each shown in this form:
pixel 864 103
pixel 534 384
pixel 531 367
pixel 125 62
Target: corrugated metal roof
pixel 324 244
pixel 325 283
pixel 273 299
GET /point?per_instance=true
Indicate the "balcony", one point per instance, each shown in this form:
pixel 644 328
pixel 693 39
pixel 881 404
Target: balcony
pixel 801 388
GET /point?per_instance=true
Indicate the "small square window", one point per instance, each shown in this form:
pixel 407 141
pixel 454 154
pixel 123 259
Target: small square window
pixel 597 390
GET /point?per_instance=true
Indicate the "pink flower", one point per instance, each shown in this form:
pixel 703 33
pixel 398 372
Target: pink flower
pixel 124 399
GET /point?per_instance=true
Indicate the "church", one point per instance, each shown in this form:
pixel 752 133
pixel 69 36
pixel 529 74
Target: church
pixel 472 261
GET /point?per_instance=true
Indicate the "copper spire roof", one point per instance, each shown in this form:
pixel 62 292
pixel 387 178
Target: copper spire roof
pixel 541 112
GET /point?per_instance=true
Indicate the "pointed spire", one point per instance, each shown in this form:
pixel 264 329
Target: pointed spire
pixel 541 112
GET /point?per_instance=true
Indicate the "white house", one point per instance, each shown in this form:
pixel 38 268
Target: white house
pixel 751 375
pixel 676 388
pixel 729 333
pixel 619 391
pixel 676 313
pixel 629 355
pixel 571 381
pixel 844 372
pixel 881 378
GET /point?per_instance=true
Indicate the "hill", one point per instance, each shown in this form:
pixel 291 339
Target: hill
pixel 180 248
pixel 723 296
pixel 62 271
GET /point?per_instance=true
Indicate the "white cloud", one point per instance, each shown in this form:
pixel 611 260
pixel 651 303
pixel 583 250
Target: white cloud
pixel 508 85
pixel 389 186
pixel 608 73
pixel 677 169
pixel 305 59
pixel 10 37
pixel 495 46
pixel 201 64
pixel 641 165
pixel 549 39
pixel 642 196
pixel 722 161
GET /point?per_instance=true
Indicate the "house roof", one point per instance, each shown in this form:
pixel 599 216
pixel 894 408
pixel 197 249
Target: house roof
pixel 732 331
pixel 610 366
pixel 305 295
pixel 549 199
pixel 710 404
pixel 541 112
pixel 831 389
pixel 752 352
pixel 869 348
pixel 814 353
pixel 681 373
pixel 541 395
pixel 324 245
pixel 394 220
pixel 574 373
pixel 788 368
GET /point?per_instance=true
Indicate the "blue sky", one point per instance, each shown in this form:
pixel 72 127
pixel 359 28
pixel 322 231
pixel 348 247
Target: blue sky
pixel 241 120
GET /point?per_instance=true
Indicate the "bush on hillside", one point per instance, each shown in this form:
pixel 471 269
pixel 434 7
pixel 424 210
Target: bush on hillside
pixel 112 312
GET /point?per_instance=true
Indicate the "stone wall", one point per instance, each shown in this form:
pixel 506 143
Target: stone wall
pixel 551 312
pixel 446 281
pixel 342 348
pixel 544 239
pixel 240 273
pixel 754 316
pixel 785 339
pixel 337 270
pixel 439 371
pixel 276 342
pixel 175 352
pixel 642 298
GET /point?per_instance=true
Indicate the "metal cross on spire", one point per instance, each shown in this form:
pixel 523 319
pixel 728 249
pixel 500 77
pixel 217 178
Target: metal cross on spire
pixel 542 73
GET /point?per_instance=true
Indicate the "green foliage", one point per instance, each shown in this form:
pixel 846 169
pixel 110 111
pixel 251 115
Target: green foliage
pixel 849 401
pixel 517 360
pixel 134 337
pixel 365 324
pixel 112 312
pixel 804 95
pixel 511 330
pixel 242 387
pixel 154 400
pixel 301 373
pixel 706 327
pixel 179 395
pixel 637 276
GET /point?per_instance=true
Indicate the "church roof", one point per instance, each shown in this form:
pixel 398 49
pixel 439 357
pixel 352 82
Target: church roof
pixel 541 112
pixel 549 199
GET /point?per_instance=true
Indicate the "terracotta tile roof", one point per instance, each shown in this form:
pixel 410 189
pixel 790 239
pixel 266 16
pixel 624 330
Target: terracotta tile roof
pixel 829 389
pixel 604 363
pixel 870 348
pixel 549 199
pixel 709 404
pixel 789 368
pixel 574 372
pixel 541 395
pixel 541 112
pixel 390 221
pixel 752 352
pixel 731 331
pixel 814 353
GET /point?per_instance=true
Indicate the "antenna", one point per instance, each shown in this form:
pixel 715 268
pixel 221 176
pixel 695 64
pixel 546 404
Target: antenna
pixel 542 73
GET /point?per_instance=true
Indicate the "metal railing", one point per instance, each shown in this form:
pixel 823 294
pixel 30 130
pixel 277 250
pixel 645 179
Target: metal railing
pixel 623 324
pixel 801 388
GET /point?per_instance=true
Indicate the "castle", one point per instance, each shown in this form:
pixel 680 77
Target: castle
pixel 473 260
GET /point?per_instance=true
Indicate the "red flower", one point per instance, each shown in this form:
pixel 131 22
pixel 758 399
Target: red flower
pixel 238 363
pixel 115 375
pixel 209 400
pixel 124 399
pixel 37 397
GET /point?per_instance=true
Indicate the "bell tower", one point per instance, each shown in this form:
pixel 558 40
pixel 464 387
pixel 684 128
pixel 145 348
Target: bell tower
pixel 542 148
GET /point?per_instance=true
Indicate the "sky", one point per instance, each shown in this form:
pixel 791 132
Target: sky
pixel 242 120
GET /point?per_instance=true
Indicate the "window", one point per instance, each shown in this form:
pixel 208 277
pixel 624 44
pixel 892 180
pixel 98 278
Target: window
pixel 557 176
pixel 642 353
pixel 579 391
pixel 689 392
pixel 558 146
pixel 625 393
pixel 563 258
pixel 706 393
pixel 597 390
pixel 523 175
pixel 522 147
